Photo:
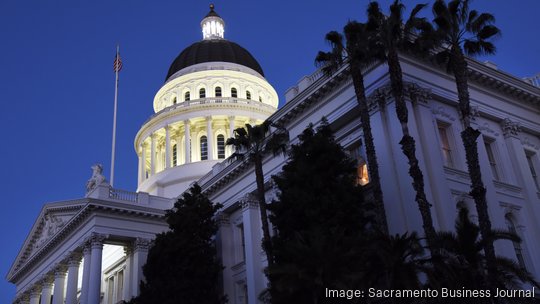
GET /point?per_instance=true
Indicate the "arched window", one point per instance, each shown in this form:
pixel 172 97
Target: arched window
pixel 218 91
pixel 204 148
pixel 517 245
pixel 248 95
pixel 175 155
pixel 220 146
pixel 234 93
pixel 174 100
pixel 260 98
pixel 202 93
pixel 186 96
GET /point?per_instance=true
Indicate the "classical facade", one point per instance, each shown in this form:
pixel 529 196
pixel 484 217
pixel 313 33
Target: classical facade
pixel 91 250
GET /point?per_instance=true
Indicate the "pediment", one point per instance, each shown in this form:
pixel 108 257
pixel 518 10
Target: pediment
pixel 50 222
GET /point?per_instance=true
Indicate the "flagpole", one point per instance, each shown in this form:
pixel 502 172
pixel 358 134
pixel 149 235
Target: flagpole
pixel 117 67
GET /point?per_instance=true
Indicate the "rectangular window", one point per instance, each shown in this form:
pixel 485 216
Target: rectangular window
pixel 362 176
pixel 491 158
pixel 446 148
pixel 533 168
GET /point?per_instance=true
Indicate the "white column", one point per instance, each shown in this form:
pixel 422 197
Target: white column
pixel 87 251
pixel 210 136
pixel 168 147
pixel 35 293
pixel 187 141
pixel 126 296
pixel 179 148
pixel 252 240
pixel 143 163
pixel 46 292
pixel 140 254
pixel 59 284
pixel 231 134
pixel 94 284
pixel 153 154
pixel 72 278
pixel 225 247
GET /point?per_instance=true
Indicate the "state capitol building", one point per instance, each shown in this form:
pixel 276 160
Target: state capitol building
pixel 91 250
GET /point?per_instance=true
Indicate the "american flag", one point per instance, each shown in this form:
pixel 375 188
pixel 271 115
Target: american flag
pixel 117 66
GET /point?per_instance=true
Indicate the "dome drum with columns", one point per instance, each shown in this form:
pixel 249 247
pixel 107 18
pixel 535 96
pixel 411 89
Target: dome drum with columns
pixel 213 87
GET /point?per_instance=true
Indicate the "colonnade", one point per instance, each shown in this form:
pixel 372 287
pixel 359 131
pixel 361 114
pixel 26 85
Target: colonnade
pixel 167 146
pixel 60 284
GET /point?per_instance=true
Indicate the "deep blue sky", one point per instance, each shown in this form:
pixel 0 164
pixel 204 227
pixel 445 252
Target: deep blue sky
pixel 57 84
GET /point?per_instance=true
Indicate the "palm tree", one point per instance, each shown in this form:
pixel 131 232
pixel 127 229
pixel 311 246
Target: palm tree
pixel 465 262
pixel 390 35
pixel 462 31
pixel 356 52
pixel 253 142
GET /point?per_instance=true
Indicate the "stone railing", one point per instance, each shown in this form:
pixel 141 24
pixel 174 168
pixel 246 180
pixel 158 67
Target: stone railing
pixel 213 100
pixel 123 195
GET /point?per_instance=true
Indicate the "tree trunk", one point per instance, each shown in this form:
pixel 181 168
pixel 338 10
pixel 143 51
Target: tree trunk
pixel 408 146
pixel 266 241
pixel 469 136
pixel 358 83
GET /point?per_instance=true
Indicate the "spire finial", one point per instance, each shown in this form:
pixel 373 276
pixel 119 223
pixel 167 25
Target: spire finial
pixel 211 6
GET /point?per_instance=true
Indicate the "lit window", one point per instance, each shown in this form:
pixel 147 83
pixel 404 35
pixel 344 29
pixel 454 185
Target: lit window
pixel 204 148
pixel 248 95
pixel 174 155
pixel 221 146
pixel 446 150
pixel 218 91
pixel 517 245
pixel 234 93
pixel 202 93
pixel 491 158
pixel 362 175
pixel 186 96
pixel 533 168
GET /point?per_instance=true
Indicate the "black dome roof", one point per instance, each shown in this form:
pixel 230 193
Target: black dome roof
pixel 214 50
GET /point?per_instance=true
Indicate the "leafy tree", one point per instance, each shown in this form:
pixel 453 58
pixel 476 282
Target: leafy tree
pixel 255 142
pixel 461 31
pixel 390 35
pixel 355 50
pixel 182 266
pixel 320 220
pixel 465 261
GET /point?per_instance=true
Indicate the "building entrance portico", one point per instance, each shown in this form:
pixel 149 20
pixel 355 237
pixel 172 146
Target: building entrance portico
pixel 87 251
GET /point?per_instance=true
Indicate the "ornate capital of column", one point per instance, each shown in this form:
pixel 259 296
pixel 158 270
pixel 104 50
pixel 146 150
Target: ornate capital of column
pixel 60 270
pixel 510 128
pixel 47 281
pixel 35 291
pixel 74 260
pixel 222 219
pixel 249 202
pixel 166 127
pixel 417 94
pixel 231 118
pixel 128 249
pixel 95 240
pixel 378 99
pixel 142 244
pixel 186 122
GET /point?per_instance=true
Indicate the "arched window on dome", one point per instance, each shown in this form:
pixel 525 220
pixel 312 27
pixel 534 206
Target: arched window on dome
pixel 204 148
pixel 174 100
pixel 186 96
pixel 202 93
pixel 260 98
pixel 234 93
pixel 220 146
pixel 248 95
pixel 218 91
pixel 517 245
